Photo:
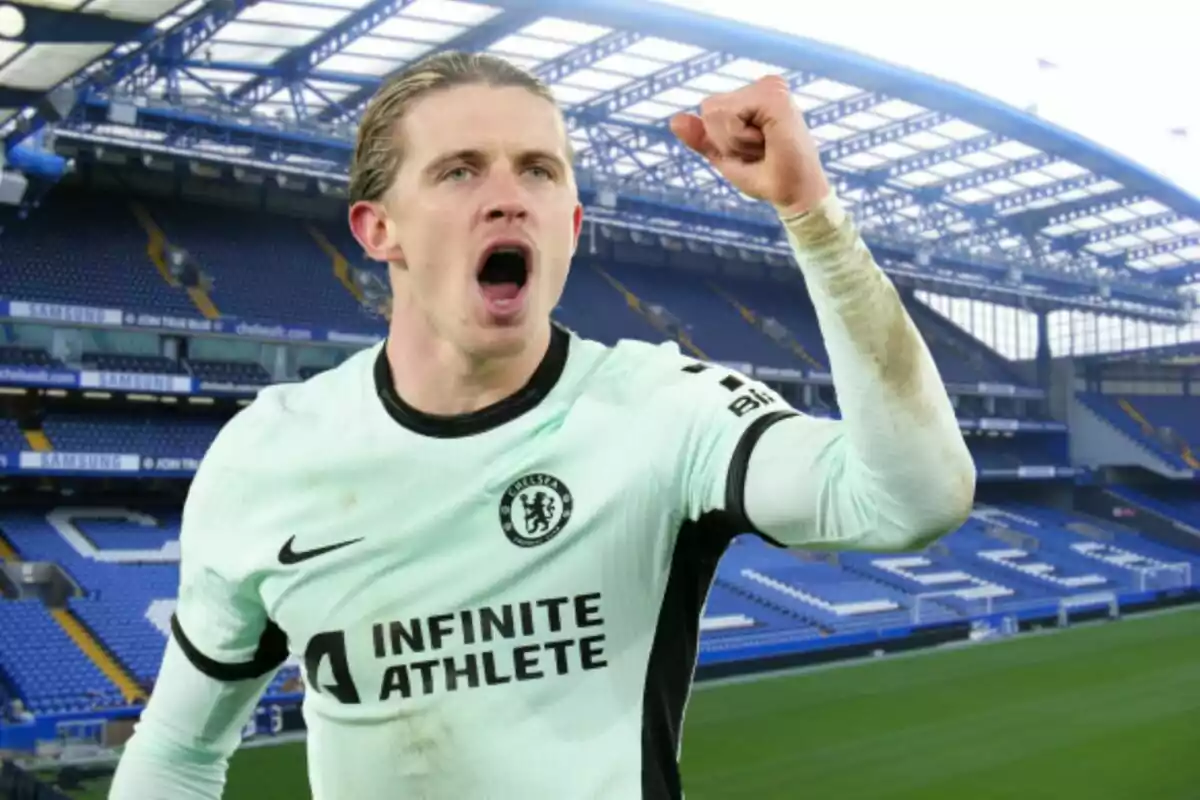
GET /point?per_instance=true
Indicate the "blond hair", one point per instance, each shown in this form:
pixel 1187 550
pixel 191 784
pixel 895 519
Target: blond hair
pixel 378 150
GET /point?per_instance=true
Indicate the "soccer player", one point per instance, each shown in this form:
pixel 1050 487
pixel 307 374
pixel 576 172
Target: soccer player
pixel 488 540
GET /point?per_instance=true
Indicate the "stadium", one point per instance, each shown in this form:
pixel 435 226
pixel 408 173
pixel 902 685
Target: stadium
pixel 173 239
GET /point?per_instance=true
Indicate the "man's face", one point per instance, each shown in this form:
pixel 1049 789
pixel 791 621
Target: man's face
pixel 485 215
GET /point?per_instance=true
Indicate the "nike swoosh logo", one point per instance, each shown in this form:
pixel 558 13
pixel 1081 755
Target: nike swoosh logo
pixel 289 556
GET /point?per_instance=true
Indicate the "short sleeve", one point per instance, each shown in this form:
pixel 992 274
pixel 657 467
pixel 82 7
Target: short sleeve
pixel 713 417
pixel 220 621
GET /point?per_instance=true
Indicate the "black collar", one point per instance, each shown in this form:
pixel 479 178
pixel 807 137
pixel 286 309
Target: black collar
pixel 449 427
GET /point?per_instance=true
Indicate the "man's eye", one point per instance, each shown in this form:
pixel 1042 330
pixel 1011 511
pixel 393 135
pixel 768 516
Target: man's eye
pixel 457 174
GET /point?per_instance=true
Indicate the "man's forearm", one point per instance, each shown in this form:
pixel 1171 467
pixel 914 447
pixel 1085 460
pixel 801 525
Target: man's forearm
pixel 191 726
pixel 903 449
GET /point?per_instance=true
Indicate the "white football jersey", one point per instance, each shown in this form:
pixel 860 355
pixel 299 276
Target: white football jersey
pixel 504 604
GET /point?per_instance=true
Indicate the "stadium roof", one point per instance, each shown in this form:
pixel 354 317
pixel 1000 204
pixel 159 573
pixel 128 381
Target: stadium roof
pixel 932 169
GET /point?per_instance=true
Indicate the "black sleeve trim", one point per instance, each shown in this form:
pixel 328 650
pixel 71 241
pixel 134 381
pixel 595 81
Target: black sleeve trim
pixel 270 655
pixel 735 485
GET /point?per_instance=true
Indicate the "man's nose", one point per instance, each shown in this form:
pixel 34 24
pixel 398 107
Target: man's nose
pixel 508 208
pixel 506 198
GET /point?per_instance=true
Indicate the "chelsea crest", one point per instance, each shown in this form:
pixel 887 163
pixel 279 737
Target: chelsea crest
pixel 535 509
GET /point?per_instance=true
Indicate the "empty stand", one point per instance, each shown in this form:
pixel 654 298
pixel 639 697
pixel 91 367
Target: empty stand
pixel 234 372
pixel 100 433
pixel 102 263
pixel 111 362
pixel 28 357
pixel 265 267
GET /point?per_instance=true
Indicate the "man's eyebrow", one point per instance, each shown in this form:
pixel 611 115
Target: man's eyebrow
pixel 467 156
pixel 476 157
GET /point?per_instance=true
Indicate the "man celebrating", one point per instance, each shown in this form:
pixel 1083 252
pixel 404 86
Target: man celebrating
pixel 489 540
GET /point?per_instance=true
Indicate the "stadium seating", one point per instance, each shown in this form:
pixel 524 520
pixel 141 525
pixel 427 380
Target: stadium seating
pixel 265 268
pixel 11 437
pixel 126 605
pixel 100 433
pixel 1166 426
pixel 154 365
pixel 239 373
pixel 29 357
pixel 105 265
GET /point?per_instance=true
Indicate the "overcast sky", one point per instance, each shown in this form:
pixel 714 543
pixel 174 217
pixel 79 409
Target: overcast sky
pixel 1126 75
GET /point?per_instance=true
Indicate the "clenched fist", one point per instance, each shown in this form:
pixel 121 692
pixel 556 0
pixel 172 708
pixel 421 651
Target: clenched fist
pixel 756 137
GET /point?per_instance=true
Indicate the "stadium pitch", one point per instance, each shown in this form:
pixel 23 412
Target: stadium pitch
pixel 1103 711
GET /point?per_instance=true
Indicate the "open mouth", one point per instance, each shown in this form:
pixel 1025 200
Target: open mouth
pixel 503 273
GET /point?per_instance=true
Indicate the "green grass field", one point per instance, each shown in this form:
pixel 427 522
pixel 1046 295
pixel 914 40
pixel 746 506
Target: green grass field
pixel 1101 712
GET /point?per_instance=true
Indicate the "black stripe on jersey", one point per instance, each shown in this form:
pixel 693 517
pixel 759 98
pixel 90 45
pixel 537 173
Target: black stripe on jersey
pixel 449 427
pixel 698 549
pixel 735 483
pixel 270 655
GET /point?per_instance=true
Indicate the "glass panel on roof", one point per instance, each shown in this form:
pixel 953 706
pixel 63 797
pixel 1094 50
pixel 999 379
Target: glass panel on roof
pixel 807 103
pixel 220 76
pixel 1088 223
pixel 892 151
pixel 1184 227
pixel 951 169
pixel 564 30
pixel 920 178
pixel 971 196
pixel 864 121
pixel 1125 242
pixel 570 95
pixel 1032 179
pixel 1104 187
pixel 417 30
pixel 663 50
pixel 1014 150
pixel 713 83
pixel 862 161
pixel 1145 208
pixel 831 132
pixel 251 54
pixel 389 48
pixel 1101 248
pixel 8 49
pixel 981 160
pixel 629 65
pixel 359 65
pixel 289 14
pixel 749 70
pixel 652 109
pixel 1001 187
pixel 958 130
pixel 1118 215
pixel 829 90
pixel 261 33
pixel 1164 260
pixel 451 11
pixel 1191 254
pixel 685 98
pixel 1156 235
pixel 595 79
pixel 1062 170
pixel 925 140
pixel 41 66
pixel 534 48
pixel 897 109
pixel 352 5
pixel 137 10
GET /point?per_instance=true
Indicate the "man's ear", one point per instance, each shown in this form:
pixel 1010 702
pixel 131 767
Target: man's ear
pixel 375 232
pixel 577 223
